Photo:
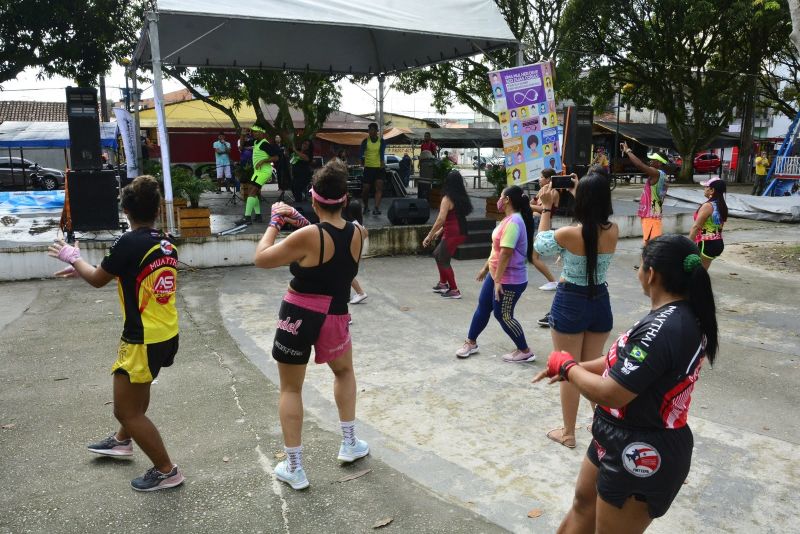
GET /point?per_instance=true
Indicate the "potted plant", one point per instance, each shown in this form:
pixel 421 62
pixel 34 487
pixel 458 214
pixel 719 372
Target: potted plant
pixel 497 177
pixel 440 172
pixel 153 168
pixel 193 221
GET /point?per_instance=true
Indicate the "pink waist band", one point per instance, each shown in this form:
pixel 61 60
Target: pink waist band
pixel 309 301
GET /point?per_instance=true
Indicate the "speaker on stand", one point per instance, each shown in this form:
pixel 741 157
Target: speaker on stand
pixel 84 128
pixel 92 200
pixel 577 148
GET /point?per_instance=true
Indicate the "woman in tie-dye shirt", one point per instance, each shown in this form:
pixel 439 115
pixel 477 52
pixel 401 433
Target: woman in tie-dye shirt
pixel 505 276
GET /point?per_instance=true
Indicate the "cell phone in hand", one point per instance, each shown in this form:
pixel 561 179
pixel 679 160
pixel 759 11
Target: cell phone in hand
pixel 561 182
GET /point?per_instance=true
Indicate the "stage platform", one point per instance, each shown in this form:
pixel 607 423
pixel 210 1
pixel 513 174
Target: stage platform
pixel 24 237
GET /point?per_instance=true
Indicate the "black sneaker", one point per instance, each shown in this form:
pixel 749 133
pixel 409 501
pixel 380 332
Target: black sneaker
pixel 244 220
pixel 376 211
pixel 258 218
pixel 544 321
pixel 112 447
pixel 154 480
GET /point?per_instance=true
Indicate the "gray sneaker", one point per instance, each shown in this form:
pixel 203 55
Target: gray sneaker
pixel 154 480
pixel 112 447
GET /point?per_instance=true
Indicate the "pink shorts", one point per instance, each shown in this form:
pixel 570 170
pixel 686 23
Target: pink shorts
pixel 303 322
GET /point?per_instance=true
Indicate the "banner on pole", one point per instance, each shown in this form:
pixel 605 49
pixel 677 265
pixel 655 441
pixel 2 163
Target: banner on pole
pixel 526 106
pixel 127 129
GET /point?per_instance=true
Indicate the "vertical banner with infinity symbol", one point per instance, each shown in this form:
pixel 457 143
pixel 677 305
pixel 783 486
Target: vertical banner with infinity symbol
pixel 525 103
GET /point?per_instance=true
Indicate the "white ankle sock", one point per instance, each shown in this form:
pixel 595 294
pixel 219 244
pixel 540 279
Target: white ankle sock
pixel 348 432
pixel 295 457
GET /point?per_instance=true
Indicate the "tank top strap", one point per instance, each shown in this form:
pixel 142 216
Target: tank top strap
pixel 341 239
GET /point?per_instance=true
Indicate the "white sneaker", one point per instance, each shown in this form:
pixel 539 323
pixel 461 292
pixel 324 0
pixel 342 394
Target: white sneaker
pixel 467 350
pixel 296 479
pixel 549 286
pixel 358 297
pixel 351 454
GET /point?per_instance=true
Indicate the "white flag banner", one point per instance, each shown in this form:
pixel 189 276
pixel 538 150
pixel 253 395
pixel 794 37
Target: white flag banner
pixel 127 129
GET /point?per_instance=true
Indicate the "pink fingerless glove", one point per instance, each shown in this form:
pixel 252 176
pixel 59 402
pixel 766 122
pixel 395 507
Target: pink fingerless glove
pixel 297 219
pixel 69 254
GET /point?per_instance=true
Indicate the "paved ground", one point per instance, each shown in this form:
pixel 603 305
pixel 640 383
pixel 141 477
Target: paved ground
pixel 458 446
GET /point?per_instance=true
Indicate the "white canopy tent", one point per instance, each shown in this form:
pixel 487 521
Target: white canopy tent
pixel 361 37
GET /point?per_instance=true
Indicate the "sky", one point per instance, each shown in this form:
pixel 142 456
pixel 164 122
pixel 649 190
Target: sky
pixel 355 98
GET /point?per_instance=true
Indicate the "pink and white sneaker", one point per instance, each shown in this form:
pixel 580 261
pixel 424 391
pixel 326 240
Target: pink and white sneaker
pixel 111 446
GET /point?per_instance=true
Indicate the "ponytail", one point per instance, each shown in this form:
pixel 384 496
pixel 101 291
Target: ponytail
pixel 522 204
pixel 677 260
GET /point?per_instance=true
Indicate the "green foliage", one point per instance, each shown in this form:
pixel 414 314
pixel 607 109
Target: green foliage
pixel 316 95
pixel 684 58
pixel 185 184
pixel 441 170
pixel 497 177
pixel 535 23
pixel 78 39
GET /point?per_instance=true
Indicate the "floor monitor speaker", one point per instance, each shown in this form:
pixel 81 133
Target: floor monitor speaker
pixel 409 211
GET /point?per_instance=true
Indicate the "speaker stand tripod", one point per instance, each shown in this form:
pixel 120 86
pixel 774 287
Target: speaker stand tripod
pixel 233 198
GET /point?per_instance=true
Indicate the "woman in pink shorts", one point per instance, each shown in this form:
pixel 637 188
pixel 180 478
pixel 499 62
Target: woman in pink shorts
pixel 324 261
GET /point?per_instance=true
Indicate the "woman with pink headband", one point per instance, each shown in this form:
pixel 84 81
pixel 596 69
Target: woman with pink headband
pixel 324 261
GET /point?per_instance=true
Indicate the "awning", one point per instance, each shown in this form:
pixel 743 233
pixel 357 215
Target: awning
pixel 453 137
pixel 658 135
pixel 356 138
pixel 48 135
pixel 336 36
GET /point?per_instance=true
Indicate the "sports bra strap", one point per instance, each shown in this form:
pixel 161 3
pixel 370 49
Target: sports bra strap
pixel 321 244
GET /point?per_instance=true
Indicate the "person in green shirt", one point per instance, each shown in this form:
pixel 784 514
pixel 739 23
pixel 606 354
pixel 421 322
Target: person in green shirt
pixel 264 156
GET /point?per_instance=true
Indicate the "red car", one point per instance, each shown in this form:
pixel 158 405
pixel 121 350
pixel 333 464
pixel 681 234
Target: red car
pixel 707 163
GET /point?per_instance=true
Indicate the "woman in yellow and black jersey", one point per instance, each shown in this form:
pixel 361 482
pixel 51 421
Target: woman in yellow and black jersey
pixel 145 263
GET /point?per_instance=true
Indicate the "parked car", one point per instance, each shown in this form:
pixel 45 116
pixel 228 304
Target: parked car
pixel 20 173
pixel 392 162
pixel 707 163
pixel 486 163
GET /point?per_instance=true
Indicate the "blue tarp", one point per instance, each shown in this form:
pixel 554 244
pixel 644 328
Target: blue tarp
pixel 31 201
pixel 48 135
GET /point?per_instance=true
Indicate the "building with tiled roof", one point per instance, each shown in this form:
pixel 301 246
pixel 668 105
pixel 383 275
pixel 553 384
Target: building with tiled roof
pixel 32 111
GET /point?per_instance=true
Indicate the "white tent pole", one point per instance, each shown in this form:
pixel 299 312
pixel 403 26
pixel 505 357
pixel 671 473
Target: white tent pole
pixel 155 52
pixel 381 79
pixel 520 56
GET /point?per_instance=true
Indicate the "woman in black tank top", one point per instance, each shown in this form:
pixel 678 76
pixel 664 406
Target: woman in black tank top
pixel 323 259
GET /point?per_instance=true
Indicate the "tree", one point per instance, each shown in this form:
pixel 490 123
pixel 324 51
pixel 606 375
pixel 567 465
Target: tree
pixel 535 23
pixel 684 58
pixel 78 39
pixel 316 95
pixel 779 81
pixel 794 11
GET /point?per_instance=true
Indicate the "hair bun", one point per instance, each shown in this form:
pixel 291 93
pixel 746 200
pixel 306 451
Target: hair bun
pixel 691 262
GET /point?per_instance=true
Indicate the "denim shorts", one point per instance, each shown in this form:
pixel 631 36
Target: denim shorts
pixel 573 311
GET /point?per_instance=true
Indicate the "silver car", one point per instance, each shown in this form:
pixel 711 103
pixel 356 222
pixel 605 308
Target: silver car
pixel 20 173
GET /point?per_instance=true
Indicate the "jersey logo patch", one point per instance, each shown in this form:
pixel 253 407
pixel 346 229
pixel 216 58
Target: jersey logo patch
pixel 628 367
pixel 166 247
pixel 638 353
pixel 164 286
pixel 641 459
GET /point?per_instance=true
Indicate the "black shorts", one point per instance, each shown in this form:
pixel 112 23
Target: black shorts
pixel 372 174
pixel 142 363
pixel 648 465
pixel 303 322
pixel 711 249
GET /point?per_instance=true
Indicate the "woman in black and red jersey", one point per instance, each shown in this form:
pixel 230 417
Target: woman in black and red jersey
pixel 642 446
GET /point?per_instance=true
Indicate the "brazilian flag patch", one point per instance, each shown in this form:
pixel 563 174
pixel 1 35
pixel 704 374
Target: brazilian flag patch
pixel 638 353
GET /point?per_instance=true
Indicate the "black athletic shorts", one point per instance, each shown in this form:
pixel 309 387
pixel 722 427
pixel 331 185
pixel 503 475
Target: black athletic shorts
pixel 371 174
pixel 712 248
pixel 647 465
pixel 303 323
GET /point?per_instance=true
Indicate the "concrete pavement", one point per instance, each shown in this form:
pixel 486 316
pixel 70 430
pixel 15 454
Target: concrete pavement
pixel 458 446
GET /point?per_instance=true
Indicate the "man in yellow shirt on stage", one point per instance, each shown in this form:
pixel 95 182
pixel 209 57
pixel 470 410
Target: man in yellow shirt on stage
pixel 372 152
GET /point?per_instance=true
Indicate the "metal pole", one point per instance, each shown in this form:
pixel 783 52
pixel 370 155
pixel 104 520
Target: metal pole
pixel 127 93
pixel 616 134
pixel 520 56
pixel 158 90
pixel 136 95
pixel 103 103
pixel 381 79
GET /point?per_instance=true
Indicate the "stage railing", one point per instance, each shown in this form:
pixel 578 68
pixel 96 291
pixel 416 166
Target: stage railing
pixel 787 167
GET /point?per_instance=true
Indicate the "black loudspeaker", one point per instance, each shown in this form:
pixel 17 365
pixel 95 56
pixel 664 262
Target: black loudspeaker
pixel 409 211
pixel 93 200
pixel 578 135
pixel 306 211
pixel 84 128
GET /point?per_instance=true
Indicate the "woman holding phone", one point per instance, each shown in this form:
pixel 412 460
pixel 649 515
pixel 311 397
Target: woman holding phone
pixel 580 317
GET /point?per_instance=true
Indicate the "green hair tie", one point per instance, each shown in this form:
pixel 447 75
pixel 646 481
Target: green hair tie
pixel 691 262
